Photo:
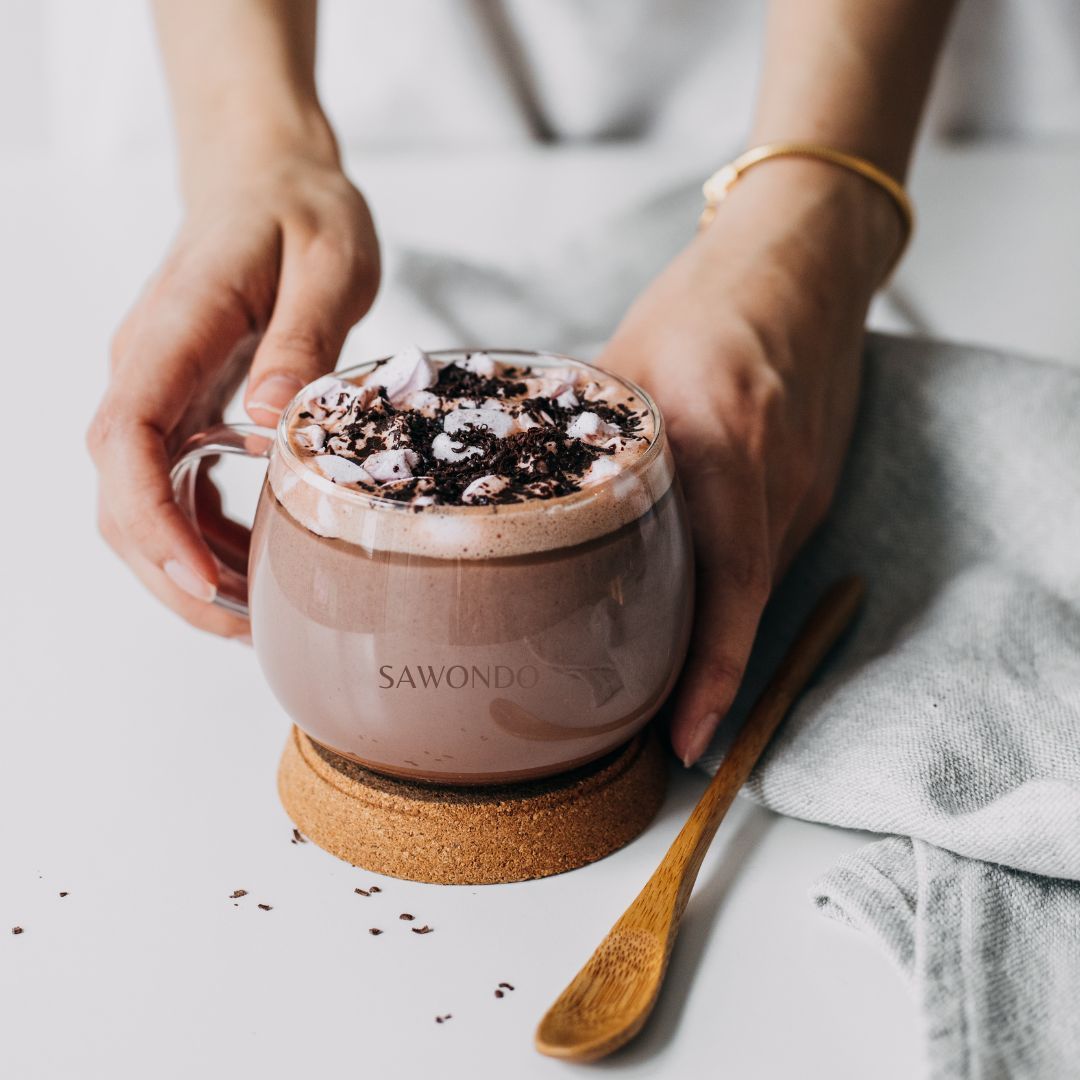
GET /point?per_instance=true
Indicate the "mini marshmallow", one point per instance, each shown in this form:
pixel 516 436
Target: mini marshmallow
pixel 600 470
pixel 405 372
pixel 499 422
pixel 478 363
pixel 424 402
pixel 442 448
pixel 589 427
pixel 567 400
pixel 311 436
pixel 390 464
pixel 341 470
pixel 332 393
pixel 484 487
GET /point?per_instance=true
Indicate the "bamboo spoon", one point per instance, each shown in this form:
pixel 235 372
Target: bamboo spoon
pixel 611 997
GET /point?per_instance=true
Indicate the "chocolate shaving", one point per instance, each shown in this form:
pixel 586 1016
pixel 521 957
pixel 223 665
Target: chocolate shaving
pixel 423 929
pixel 297 838
pixel 361 892
pixel 17 930
pixel 406 917
pixel 64 894
pixel 540 463
pixel 443 1019
pixel 265 907
pixel 237 894
pixel 374 889
pixel 374 931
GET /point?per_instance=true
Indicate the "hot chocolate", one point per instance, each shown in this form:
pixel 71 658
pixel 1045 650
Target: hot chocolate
pixel 471 567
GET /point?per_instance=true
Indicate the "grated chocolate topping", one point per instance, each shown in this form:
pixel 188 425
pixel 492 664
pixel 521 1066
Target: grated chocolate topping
pixel 474 432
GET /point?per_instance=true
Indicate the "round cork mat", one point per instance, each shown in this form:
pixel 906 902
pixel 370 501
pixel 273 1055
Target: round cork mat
pixel 471 835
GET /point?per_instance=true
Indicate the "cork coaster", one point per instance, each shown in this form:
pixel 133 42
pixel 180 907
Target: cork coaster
pixel 471 835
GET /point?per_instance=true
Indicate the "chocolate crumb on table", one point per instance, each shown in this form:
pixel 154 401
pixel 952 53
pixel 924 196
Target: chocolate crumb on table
pixel 361 892
pixel 443 1019
pixel 297 838
pixel 374 889
pixel 265 907
pixel 375 931
pixel 64 894
pixel 506 986
pixel 499 994
pixel 406 917
pixel 17 930
pixel 237 893
pixel 423 929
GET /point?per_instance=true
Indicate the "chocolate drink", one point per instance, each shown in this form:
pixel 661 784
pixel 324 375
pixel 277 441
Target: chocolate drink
pixel 471 571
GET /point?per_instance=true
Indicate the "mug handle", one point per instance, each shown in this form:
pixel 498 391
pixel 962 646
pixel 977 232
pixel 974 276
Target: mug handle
pixel 247 439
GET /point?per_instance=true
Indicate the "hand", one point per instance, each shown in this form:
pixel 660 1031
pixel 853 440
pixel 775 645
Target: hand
pixel 276 260
pixel 750 343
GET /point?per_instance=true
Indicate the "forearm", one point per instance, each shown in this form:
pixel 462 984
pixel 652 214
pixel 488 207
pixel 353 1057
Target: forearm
pixel 853 76
pixel 850 73
pixel 242 81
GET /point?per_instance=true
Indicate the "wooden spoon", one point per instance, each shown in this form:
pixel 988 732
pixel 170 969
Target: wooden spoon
pixel 611 997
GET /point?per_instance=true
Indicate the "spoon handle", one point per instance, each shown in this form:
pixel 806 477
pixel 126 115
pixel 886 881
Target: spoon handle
pixel 823 627
pixel 609 1000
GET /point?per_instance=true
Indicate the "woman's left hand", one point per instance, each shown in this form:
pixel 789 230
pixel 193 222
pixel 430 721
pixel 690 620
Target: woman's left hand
pixel 750 342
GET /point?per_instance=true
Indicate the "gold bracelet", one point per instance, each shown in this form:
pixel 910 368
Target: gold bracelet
pixel 721 182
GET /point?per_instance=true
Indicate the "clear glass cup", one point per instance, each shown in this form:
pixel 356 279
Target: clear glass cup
pixel 462 644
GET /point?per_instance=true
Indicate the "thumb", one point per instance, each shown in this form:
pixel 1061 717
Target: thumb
pixel 319 299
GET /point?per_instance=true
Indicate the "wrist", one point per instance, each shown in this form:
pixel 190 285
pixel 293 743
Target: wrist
pixel 816 219
pixel 240 143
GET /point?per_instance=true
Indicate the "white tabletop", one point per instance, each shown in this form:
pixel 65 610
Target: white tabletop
pixel 138 770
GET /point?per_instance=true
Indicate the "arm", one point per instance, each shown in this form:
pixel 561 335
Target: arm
pixel 275 261
pixel 751 339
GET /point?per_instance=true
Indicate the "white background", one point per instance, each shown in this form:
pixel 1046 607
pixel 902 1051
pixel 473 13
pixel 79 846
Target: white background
pixel 137 769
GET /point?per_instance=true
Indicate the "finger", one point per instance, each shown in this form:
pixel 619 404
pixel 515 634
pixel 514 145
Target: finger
pixel 181 339
pixel 733 576
pixel 212 619
pixel 323 290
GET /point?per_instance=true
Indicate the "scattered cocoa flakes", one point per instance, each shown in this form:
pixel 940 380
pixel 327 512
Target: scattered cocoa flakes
pixel 361 892
pixel 499 994
pixel 375 931
pixel 506 986
pixel 443 1019
pixel 423 929
pixel 17 930
pixel 374 889
pixel 406 917
pixel 265 907
pixel 63 894
pixel 237 894
pixel 297 838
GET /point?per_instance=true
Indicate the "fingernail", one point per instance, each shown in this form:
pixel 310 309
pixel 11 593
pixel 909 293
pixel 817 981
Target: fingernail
pixel 183 577
pixel 700 738
pixel 274 393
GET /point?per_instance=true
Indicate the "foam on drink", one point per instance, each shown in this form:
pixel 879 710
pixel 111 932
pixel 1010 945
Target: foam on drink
pixel 421 456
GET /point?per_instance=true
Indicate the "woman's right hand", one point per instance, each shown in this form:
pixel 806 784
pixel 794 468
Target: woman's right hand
pixel 276 260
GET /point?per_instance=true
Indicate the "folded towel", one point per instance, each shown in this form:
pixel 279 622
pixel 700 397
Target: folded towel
pixel 951 715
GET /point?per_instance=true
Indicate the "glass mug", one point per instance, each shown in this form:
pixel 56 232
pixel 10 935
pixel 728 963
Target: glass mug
pixel 462 644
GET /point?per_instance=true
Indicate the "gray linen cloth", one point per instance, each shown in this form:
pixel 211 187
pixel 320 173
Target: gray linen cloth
pixel 950 717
